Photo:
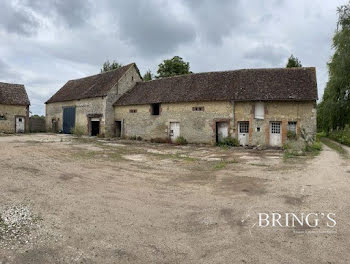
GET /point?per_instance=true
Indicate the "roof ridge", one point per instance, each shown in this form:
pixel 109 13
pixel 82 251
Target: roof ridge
pixel 19 84
pixel 102 73
pixel 228 71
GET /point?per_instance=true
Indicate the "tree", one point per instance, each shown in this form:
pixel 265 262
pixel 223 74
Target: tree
pixel 173 67
pixel 293 62
pixel 334 110
pixel 148 76
pixel 107 66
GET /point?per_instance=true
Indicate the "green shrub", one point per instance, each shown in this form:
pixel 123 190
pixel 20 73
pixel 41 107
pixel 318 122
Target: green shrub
pixel 286 146
pixel 181 141
pixel 341 136
pixel 291 135
pixel 314 147
pixel 229 141
pixel 160 140
pixel 320 135
pixel 77 131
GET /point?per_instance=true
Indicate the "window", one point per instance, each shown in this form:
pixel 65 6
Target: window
pixel 243 127
pixel 19 119
pixel 198 108
pixel 132 78
pixel 275 128
pixel 259 110
pixel 292 126
pixel 133 111
pixel 155 109
pixel 292 130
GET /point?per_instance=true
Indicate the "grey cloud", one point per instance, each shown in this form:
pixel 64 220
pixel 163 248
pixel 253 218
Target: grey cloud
pixel 73 13
pixel 23 17
pixel 215 21
pixel 150 27
pixel 267 54
pixel 15 20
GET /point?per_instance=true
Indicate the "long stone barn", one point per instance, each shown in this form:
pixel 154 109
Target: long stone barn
pixel 14 108
pixel 257 106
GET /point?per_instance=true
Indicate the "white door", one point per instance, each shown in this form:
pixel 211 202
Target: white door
pixel 20 124
pixel 275 134
pixel 174 130
pixel 243 133
pixel 222 130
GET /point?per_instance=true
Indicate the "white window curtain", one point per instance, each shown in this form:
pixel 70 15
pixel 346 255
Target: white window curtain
pixel 259 110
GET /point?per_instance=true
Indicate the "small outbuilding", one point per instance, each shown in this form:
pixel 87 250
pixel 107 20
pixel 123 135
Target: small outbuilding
pixel 14 108
pixel 86 104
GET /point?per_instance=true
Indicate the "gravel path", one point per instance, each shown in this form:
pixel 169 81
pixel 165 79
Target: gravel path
pixel 96 201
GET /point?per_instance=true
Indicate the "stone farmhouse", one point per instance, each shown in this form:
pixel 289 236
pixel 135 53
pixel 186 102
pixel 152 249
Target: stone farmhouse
pixel 14 108
pixel 257 106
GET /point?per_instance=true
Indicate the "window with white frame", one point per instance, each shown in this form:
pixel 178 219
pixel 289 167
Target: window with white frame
pixel 259 110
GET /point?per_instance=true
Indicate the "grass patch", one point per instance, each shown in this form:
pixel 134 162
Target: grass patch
pixel 335 146
pixel 84 154
pixel 228 142
pixel 259 164
pixel 222 164
pixel 309 149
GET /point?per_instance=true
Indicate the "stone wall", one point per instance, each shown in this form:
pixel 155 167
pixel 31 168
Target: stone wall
pixel 304 113
pixel 84 107
pixel 8 125
pixel 199 127
pixel 93 107
pixel 126 82
pixel 195 126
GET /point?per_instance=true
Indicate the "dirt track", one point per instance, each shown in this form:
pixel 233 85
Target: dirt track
pixel 95 201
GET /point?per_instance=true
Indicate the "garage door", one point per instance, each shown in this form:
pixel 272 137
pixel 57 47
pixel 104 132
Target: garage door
pixel 68 119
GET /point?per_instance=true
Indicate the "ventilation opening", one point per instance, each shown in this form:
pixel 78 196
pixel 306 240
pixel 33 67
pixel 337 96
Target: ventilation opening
pixel 155 109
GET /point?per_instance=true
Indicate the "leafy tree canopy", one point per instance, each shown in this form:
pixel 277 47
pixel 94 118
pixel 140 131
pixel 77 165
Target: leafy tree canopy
pixel 148 76
pixel 107 66
pixel 173 67
pixel 334 110
pixel 293 62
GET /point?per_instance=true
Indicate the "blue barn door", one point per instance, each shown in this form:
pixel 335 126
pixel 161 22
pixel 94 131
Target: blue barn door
pixel 68 119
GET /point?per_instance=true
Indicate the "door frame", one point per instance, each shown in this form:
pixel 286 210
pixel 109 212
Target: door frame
pixel 169 128
pixel 24 120
pixel 214 127
pixel 239 128
pixel 270 133
pixel 121 128
pixel 89 117
pixel 75 115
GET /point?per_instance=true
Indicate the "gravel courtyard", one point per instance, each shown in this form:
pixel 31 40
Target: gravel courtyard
pixel 68 200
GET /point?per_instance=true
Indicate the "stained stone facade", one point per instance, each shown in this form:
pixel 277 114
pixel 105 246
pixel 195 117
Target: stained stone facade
pixel 14 106
pixel 93 98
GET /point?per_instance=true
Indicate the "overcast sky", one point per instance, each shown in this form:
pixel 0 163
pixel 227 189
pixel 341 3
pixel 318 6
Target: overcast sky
pixel 43 44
